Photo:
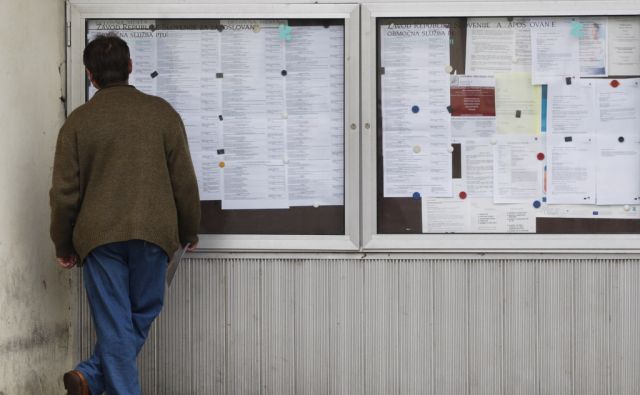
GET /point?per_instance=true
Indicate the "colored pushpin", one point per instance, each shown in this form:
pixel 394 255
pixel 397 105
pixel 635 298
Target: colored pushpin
pixel 536 204
pixel 540 156
pixel 415 109
pixel 577 29
pixel 285 32
pixel 614 83
pixel 416 196
pixel 462 195
pixel 221 164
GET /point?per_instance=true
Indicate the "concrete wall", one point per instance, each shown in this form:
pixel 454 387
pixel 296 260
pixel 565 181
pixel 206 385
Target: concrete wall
pixel 34 293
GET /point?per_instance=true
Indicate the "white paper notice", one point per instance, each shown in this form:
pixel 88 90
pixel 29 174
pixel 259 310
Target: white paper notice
pixel 477 167
pixel 555 51
pixel 517 171
pixel 593 46
pixel 445 215
pixel 254 130
pixel 416 122
pixel 497 45
pixel 571 109
pixel 624 45
pixel 618 105
pixel 617 170
pixel 486 217
pixel 588 211
pixel 571 170
pixel 314 115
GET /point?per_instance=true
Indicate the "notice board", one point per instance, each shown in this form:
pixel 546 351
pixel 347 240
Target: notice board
pixel 508 125
pixel 263 106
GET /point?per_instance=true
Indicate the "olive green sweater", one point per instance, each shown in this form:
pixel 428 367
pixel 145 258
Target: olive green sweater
pixel 123 171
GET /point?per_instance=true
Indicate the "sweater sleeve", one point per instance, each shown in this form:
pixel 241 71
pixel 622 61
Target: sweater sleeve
pixel 184 184
pixel 64 196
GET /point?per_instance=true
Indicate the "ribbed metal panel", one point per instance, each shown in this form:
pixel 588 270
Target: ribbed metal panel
pixel 416 330
pixel 393 326
pixel 555 282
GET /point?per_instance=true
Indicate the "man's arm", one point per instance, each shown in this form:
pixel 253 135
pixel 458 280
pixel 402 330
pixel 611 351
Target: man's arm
pixel 65 193
pixel 185 185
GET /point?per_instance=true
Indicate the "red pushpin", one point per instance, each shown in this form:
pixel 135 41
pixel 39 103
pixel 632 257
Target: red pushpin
pixel 614 83
pixel 540 156
pixel 462 195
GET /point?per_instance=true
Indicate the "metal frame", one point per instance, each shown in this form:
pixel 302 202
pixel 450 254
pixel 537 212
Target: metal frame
pixel 79 11
pixel 517 243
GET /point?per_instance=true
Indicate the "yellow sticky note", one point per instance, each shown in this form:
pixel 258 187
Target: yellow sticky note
pixel 518 104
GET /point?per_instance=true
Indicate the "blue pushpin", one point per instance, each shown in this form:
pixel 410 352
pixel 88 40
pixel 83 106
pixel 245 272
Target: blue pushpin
pixel 285 32
pixel 536 204
pixel 577 29
pixel 416 196
pixel 415 109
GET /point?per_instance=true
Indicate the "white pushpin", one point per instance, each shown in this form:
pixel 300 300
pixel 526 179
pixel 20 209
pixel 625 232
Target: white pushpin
pixel 316 205
pixel 256 28
pixel 417 149
pixel 450 149
pixel 514 59
pixel 493 141
pixel 285 115
pixel 285 161
pixel 448 68
pixel 626 207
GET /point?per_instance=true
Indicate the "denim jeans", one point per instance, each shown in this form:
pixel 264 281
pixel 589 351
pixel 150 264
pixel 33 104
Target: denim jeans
pixel 125 288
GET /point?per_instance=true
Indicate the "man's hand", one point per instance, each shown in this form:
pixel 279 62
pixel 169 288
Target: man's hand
pixel 67 262
pixel 192 247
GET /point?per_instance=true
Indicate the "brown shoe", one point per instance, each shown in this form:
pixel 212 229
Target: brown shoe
pixel 75 383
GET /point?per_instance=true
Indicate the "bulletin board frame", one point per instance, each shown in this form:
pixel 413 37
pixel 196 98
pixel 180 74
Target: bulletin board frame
pixel 529 242
pixel 78 12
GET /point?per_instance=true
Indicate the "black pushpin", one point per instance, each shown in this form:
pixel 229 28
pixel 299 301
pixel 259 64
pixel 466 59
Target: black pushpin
pixel 219 75
pixel 152 28
pixel 283 73
pixel 568 80
pixel 518 113
pixel 220 28
pixel 381 70
pixel 568 139
pixel 510 18
pixel 449 109
pixel 220 117
pixel 621 139
pixel 326 25
pixel 154 74
pixel 220 152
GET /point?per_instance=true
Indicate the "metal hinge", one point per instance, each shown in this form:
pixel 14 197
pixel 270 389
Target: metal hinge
pixel 67 23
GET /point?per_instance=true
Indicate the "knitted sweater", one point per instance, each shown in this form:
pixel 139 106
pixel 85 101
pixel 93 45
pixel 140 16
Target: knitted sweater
pixel 123 171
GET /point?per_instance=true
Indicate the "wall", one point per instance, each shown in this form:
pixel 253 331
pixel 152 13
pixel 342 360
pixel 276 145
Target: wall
pixel 34 293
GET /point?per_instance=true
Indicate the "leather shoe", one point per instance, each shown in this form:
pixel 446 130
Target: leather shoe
pixel 75 383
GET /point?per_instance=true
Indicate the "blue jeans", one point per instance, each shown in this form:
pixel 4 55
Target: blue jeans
pixel 125 288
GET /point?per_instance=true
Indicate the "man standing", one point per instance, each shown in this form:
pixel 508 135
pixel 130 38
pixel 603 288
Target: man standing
pixel 124 198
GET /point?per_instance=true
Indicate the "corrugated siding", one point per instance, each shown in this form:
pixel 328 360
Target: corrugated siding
pixel 394 326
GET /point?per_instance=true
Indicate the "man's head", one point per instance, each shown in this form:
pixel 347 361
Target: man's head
pixel 107 60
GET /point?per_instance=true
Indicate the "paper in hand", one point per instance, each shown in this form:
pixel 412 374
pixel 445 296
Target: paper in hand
pixel 172 267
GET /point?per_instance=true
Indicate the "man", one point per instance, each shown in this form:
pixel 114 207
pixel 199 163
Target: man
pixel 124 198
